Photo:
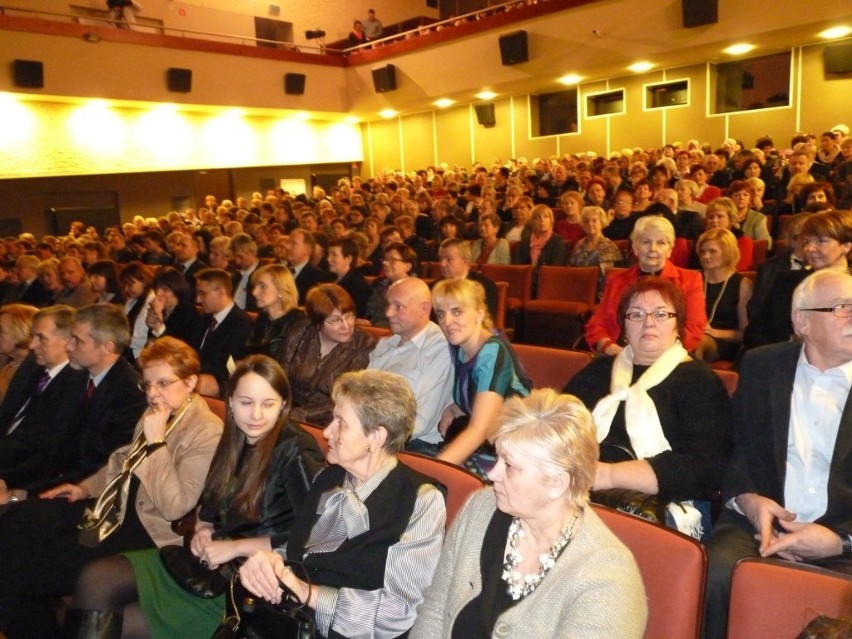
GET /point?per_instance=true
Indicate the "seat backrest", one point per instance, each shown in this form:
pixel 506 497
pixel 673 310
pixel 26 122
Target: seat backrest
pixel 502 296
pixel 729 378
pixel 550 367
pixel 316 432
pixel 673 568
pixel 459 482
pixel 759 252
pixel 217 406
pixel 376 332
pixel 772 598
pixel 518 276
pixel 568 283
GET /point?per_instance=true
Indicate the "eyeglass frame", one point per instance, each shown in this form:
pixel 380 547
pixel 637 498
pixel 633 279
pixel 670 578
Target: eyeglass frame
pixel 658 316
pixel 160 385
pixel 334 322
pixel 833 310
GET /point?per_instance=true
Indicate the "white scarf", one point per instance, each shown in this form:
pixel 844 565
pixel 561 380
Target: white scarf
pixel 641 419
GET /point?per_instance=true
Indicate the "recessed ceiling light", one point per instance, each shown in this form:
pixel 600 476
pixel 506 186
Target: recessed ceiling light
pixel 486 95
pixel 835 32
pixel 739 49
pixel 641 66
pixel 351 119
pixel 388 113
pixel 570 79
pixel 443 103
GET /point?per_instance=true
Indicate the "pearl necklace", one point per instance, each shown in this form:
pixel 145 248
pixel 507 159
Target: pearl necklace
pixel 718 298
pixel 520 585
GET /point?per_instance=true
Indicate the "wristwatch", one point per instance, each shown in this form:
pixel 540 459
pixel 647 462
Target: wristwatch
pixel 846 540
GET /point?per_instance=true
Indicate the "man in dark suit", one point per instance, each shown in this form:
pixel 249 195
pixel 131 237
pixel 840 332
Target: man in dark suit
pixel 38 409
pixel 455 258
pixel 30 289
pixel 186 259
pixel 300 249
pixel 244 257
pixel 788 489
pixel 228 330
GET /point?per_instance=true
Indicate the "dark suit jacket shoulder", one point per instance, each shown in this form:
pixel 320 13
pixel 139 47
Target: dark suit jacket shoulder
pixel 490 291
pixel 227 341
pixel 309 277
pixel 20 387
pixel 36 295
pixel 355 284
pixel 761 426
pixel 185 323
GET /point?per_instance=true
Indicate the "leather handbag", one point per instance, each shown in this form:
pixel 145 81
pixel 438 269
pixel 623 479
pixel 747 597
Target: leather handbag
pixel 191 575
pixel 250 617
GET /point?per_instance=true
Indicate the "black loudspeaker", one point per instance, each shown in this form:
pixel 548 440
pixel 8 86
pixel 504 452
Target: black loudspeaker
pixel 29 74
pixel 485 115
pixel 294 83
pixel 384 79
pixel 697 13
pixel 838 58
pixel 513 48
pixel 179 80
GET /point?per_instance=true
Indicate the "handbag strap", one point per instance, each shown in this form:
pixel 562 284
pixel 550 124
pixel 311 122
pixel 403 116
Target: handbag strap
pixel 303 575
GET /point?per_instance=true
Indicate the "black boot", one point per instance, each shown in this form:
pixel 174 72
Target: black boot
pixel 91 624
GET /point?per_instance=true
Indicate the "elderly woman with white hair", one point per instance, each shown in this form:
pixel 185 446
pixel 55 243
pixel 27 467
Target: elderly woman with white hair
pixel 652 242
pixel 527 557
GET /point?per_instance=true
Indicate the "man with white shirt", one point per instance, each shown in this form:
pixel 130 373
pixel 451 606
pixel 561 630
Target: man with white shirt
pixel 244 257
pixel 788 489
pixel 418 351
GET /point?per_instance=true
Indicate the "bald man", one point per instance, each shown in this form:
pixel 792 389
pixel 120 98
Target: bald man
pixel 418 351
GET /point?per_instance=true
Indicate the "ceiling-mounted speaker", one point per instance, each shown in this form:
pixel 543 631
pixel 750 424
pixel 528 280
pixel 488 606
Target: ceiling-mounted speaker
pixel 513 48
pixel 294 83
pixel 384 78
pixel 179 80
pixel 485 115
pixel 28 74
pixel 698 13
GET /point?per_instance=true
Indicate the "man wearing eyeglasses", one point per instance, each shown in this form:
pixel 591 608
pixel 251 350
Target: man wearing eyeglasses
pixel 788 489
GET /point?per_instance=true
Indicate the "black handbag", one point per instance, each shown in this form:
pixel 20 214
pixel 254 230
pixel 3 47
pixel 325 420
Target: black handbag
pixel 191 575
pixel 250 617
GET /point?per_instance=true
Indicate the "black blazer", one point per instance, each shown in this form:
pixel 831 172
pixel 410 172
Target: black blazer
pixel 770 323
pixel 765 280
pixel 30 452
pixel 309 277
pixel 103 423
pixel 20 388
pixel 227 341
pixel 36 295
pixel 190 273
pixel 761 425
pixel 186 324
pixel 355 284
pixel 553 253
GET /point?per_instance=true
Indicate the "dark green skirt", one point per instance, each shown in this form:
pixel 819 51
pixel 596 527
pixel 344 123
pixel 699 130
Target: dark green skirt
pixel 171 612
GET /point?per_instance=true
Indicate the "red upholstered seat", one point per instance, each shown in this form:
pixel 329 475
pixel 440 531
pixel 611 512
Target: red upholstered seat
pixel 565 299
pixel 550 367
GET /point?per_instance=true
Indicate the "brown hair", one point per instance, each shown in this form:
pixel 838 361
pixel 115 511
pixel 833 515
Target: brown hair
pixel 322 300
pixel 249 484
pixel 169 350
pixel 670 293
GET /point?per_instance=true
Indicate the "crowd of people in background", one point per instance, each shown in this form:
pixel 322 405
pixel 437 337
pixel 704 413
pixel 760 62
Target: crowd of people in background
pixel 291 292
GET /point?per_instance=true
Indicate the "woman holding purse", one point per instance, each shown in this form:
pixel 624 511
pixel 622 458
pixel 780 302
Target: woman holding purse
pixel 260 473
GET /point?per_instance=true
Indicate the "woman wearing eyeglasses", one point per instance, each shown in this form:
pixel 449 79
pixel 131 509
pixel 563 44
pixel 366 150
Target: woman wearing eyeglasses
pixel 319 349
pixel 662 417
pixel 400 261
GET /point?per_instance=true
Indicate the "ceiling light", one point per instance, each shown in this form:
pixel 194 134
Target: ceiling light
pixel 302 115
pixel 835 32
pixel 443 103
pixel 486 95
pixel 570 79
pixel 388 113
pixel 351 119
pixel 739 49
pixel 641 66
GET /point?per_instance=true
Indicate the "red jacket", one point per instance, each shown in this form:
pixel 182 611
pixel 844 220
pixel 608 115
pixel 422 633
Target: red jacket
pixel 605 323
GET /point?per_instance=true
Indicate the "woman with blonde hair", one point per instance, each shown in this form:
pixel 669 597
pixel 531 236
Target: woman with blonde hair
pixel 528 553
pixel 726 295
pixel 486 373
pixel 277 298
pixel 540 245
pixel 16 321
pixel 721 213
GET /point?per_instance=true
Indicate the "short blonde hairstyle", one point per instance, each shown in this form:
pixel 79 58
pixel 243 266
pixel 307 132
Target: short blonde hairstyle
pixel 725 205
pixel 727 242
pixel 465 292
pixel 282 280
pixel 557 432
pixel 651 223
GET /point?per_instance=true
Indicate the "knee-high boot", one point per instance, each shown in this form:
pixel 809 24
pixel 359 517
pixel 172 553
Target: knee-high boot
pixel 91 624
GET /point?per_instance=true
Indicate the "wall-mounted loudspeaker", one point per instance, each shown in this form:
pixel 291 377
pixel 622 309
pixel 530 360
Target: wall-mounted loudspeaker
pixel 294 83
pixel 838 58
pixel 179 80
pixel 384 78
pixel 697 13
pixel 485 115
pixel 513 48
pixel 28 74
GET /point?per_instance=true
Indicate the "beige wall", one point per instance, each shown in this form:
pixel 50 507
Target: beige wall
pixel 821 103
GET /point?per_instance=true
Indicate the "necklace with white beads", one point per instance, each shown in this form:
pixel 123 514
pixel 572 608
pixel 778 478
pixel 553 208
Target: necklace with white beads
pixel 519 584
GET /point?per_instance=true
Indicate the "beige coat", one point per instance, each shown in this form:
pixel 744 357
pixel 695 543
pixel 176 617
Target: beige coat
pixel 173 476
